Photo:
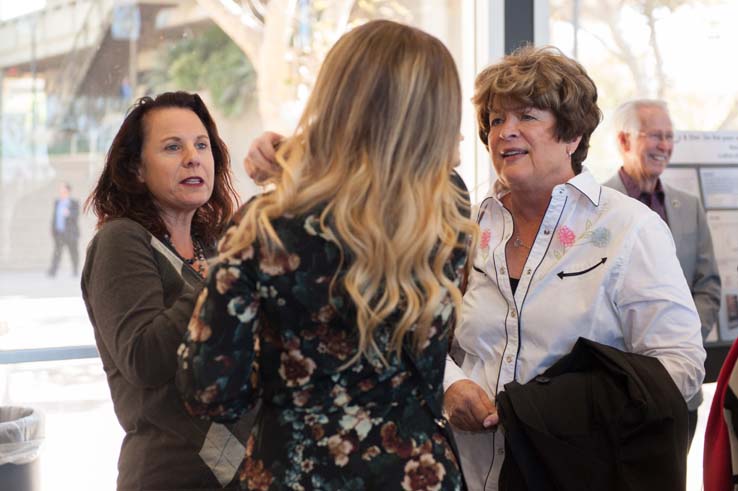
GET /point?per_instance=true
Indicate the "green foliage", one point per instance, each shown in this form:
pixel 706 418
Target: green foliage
pixel 208 60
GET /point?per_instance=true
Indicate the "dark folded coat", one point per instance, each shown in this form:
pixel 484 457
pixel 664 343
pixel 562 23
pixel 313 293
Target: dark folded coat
pixel 599 419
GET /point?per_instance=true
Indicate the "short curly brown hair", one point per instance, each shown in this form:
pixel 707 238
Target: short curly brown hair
pixel 120 194
pixel 543 78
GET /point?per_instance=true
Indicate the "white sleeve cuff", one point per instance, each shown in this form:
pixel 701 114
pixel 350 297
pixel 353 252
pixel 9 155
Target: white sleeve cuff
pixel 453 373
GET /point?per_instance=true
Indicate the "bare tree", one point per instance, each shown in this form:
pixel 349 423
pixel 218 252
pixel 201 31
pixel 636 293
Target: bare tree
pixel 645 63
pixel 287 40
pixel 641 63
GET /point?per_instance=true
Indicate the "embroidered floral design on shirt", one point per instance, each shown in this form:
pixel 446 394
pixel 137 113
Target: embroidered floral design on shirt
pixel 566 237
pixel 484 242
pixel 598 237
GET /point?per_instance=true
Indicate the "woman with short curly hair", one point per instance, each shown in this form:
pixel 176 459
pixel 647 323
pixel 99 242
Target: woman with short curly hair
pixel 559 257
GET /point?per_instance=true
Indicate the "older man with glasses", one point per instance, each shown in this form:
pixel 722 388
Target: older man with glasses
pixel 645 138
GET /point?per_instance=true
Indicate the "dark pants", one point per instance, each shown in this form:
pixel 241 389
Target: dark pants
pixel 692 425
pixel 62 240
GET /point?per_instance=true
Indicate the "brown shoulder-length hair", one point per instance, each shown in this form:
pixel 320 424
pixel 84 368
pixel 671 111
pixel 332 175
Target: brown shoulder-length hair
pixel 120 194
pixel 546 79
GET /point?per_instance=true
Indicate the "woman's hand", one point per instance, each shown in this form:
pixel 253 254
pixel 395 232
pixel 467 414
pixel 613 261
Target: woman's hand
pixel 469 408
pixel 260 162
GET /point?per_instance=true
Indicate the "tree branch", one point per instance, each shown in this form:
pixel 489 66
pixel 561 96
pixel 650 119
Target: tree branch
pixel 246 35
pixel 626 53
pixel 653 40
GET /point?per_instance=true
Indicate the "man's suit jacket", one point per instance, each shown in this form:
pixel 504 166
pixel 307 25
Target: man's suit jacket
pixel 693 241
pixel 71 224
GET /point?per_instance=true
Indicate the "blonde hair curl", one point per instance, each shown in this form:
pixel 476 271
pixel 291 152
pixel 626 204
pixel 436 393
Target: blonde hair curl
pixel 376 144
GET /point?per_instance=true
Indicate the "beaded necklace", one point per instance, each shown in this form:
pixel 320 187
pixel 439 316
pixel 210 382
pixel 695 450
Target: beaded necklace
pixel 198 254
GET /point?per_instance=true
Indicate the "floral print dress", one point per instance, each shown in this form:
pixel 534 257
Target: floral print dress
pixel 266 328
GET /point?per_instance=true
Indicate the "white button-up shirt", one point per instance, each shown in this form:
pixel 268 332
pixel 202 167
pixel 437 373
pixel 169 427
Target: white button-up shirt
pixel 603 266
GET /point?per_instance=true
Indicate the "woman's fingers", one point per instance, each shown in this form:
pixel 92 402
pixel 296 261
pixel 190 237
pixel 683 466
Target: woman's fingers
pixel 469 408
pixel 260 161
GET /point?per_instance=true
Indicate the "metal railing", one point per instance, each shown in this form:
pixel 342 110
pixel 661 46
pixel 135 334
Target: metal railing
pixel 48 354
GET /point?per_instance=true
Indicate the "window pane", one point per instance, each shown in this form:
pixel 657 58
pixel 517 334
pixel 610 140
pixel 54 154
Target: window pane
pixel 69 71
pixel 671 50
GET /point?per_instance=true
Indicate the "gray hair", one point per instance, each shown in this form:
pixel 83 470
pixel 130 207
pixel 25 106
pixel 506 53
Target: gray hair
pixel 626 120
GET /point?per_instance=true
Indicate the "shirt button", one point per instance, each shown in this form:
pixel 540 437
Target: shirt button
pixel 547 232
pixel 513 314
pixel 502 270
pixel 528 271
pixel 509 358
pixel 500 451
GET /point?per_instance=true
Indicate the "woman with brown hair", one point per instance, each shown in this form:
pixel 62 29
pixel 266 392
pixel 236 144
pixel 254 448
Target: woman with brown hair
pixel 334 295
pixel 560 257
pixel 162 200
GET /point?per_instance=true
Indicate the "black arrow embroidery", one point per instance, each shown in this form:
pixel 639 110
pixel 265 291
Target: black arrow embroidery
pixel 562 275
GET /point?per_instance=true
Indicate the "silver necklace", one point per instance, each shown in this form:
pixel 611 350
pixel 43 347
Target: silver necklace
pixel 516 241
pixel 519 243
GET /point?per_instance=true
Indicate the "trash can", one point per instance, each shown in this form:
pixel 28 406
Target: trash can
pixel 21 436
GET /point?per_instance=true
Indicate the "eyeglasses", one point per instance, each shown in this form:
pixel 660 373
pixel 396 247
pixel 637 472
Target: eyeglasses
pixel 658 136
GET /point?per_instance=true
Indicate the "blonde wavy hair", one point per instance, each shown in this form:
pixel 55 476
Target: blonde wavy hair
pixel 376 145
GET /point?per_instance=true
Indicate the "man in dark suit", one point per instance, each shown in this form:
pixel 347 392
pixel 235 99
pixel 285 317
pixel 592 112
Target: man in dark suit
pixel 65 228
pixel 645 138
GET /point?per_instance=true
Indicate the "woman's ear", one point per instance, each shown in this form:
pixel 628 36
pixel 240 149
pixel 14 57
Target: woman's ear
pixel 574 144
pixel 140 173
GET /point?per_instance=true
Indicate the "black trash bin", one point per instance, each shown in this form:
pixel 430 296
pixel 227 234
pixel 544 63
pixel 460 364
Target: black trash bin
pixel 21 436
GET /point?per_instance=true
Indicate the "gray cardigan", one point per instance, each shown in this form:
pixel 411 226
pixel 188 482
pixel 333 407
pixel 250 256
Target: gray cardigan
pixel 139 296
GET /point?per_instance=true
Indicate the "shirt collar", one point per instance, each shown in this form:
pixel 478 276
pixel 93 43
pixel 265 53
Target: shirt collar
pixel 583 182
pixel 633 189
